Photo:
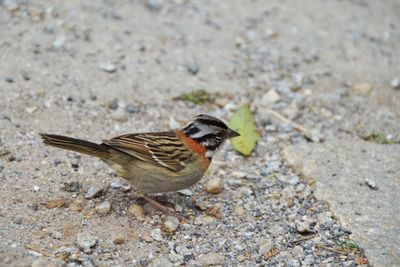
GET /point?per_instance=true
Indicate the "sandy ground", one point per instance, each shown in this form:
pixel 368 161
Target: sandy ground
pixel 96 69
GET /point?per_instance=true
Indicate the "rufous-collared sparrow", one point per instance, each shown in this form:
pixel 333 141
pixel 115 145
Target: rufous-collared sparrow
pixel 156 162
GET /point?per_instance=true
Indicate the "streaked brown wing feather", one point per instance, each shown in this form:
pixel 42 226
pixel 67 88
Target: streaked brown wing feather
pixel 160 148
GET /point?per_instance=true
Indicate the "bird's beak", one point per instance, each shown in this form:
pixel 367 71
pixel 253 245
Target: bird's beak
pixel 231 133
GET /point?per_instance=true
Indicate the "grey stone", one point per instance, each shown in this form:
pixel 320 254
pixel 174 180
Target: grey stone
pixel 94 191
pixel 304 224
pixel 156 234
pixel 324 217
pixel 72 186
pixel 175 258
pixel 119 115
pixel 264 246
pixel 211 259
pixel 214 185
pixel 11 5
pixel 171 224
pixel 85 241
pixel 103 208
pixel 59 41
pixel 161 262
pixel 120 185
pixel 154 5
pixel 334 169
pixel 270 98
pixel 371 183
pixel 48 262
pixel 192 67
pixel 395 83
pixel 107 67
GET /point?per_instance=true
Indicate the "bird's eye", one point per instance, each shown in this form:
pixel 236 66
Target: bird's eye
pixel 219 135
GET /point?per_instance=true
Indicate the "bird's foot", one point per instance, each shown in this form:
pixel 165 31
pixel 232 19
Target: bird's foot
pixel 163 208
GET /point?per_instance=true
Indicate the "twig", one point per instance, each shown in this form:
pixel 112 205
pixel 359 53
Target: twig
pixel 38 250
pixel 296 126
pixel 332 249
pixel 304 238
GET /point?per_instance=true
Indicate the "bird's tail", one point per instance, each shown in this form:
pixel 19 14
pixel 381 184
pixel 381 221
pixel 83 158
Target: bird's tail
pixel 77 145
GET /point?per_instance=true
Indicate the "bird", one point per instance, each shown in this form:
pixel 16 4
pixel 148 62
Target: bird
pixel 156 162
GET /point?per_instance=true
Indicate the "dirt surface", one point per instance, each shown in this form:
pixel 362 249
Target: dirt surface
pixel 96 69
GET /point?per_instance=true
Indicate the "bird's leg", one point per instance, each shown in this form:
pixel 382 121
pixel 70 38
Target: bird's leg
pixel 161 207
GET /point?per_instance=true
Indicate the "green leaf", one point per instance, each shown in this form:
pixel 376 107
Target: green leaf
pixel 243 122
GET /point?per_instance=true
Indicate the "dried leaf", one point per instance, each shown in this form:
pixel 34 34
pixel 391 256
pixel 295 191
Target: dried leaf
pixel 213 211
pixel 243 122
pixel 197 97
pixel 55 203
pixel 271 253
pixel 361 260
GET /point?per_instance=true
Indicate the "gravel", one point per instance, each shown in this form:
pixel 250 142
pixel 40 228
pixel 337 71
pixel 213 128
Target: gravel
pixel 100 69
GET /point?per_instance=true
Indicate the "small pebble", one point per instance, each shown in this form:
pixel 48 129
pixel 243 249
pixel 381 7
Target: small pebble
pixel 371 184
pixel 11 5
pixel 264 246
pixel 156 234
pixel 31 110
pixel 270 98
pixel 85 241
pixel 170 224
pixel 204 219
pixel 119 115
pixel 119 240
pixel 9 79
pixel 26 76
pixel 287 196
pixel 113 104
pixel 161 262
pixel 154 5
pixel 137 211
pixel 55 203
pixel 176 258
pixel 362 88
pixel 94 191
pixel 395 83
pixel 211 258
pixel 304 224
pixel 324 217
pixel 48 262
pixel 130 108
pixel 76 205
pixel 214 185
pixel 107 67
pixel 120 185
pixel 59 41
pixel 185 192
pixel 239 211
pixel 72 186
pixel 192 67
pixel 103 208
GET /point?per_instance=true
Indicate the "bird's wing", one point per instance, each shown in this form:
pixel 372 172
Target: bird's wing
pixel 164 149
